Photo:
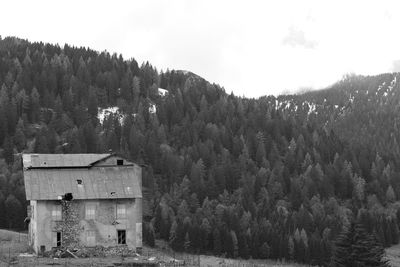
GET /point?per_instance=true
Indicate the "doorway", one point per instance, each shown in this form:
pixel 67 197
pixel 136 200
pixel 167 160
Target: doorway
pixel 58 241
pixel 121 236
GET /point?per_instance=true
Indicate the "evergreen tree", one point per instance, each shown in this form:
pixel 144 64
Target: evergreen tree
pixel 148 234
pixel 8 147
pixel 41 142
pixel 355 247
pixel 186 244
pixel 14 213
pixel 19 137
pixel 92 102
pixel 34 110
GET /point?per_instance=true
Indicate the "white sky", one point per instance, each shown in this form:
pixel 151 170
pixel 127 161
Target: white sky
pixel 252 48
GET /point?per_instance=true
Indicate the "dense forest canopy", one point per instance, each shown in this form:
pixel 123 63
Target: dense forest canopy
pixel 274 177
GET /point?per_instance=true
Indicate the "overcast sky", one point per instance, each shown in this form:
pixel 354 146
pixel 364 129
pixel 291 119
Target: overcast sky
pixel 252 48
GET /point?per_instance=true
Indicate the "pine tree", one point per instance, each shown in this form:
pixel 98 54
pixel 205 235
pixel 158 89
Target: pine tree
pixel 186 244
pixel 355 247
pixel 19 137
pixel 13 211
pixel 148 234
pixel 41 142
pixel 366 250
pixel 341 253
pixel 92 102
pixel 8 150
pixel 217 242
pixel 390 195
pixel 3 124
pixel 34 109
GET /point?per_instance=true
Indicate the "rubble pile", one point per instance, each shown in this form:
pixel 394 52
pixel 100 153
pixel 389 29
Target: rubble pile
pixel 94 252
pixel 120 251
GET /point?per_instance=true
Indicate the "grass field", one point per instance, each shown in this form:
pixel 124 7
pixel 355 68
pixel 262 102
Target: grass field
pixel 13 245
pixel 6 235
pixel 161 252
pixel 217 261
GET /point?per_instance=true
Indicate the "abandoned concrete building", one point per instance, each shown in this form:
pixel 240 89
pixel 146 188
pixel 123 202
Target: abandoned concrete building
pixel 83 200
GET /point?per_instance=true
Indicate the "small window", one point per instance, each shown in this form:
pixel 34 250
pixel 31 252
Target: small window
pixel 90 211
pixel 68 197
pixel 79 181
pixel 91 238
pixel 121 211
pixel 121 237
pixel 56 213
pixel 120 162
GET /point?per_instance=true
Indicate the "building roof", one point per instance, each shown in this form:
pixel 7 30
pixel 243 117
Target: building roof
pixel 61 160
pixel 81 178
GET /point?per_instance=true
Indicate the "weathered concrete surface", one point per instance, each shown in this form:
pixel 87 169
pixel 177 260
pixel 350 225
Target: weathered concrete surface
pixel 32 237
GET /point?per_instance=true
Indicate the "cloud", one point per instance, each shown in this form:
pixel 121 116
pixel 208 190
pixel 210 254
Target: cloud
pixel 296 37
pixel 396 65
pixel 285 48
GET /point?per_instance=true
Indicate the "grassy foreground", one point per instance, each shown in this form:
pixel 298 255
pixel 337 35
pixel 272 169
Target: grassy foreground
pixel 13 245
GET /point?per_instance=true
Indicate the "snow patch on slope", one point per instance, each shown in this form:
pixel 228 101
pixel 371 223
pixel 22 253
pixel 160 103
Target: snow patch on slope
pixel 381 86
pixel 311 107
pixel 162 92
pixel 152 108
pixel 104 113
pixel 392 84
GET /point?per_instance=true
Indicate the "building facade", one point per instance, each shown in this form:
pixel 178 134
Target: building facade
pixel 83 200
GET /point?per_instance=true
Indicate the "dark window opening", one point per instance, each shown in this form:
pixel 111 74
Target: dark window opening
pixel 58 244
pixel 68 197
pixel 112 193
pixel 120 162
pixel 79 181
pixel 121 237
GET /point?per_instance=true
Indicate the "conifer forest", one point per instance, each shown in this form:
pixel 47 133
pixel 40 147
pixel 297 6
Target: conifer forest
pixel 312 178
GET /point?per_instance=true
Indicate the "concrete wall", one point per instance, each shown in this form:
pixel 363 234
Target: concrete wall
pixel 44 225
pixel 105 224
pixel 32 237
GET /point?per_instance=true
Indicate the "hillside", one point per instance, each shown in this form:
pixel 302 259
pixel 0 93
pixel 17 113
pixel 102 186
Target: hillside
pixel 274 177
pixel 361 110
